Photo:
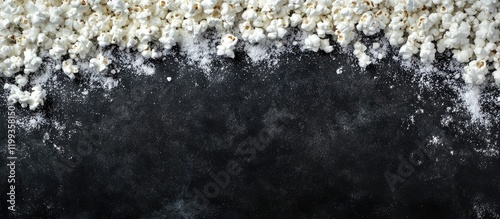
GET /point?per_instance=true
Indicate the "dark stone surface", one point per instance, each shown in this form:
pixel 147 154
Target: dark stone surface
pixel 143 150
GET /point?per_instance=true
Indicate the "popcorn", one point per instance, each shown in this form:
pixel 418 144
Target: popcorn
pixel 228 42
pixel 475 72
pixel 312 42
pixel 59 48
pixel 190 25
pixel 100 63
pixel 359 52
pixel 308 24
pixel 413 5
pixel 368 24
pixel 12 65
pixel 488 31
pixel 208 6
pixel 69 69
pixel 256 36
pixel 275 29
pixel 324 28
pixel 496 76
pixel 118 6
pixel 457 35
pixel 295 19
pixel 463 55
pixel 31 61
pixel 427 51
pixel 408 50
pixel 25 98
pixel 169 37
pixel 21 80
pixel 33 29
pixel 250 15
pixel 325 46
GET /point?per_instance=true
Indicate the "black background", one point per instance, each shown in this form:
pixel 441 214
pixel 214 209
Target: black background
pixel 144 146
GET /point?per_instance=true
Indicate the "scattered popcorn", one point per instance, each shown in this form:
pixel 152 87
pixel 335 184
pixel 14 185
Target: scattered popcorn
pixel 428 51
pixel 35 30
pixel 496 75
pixel 312 42
pixel 21 80
pixel 475 72
pixel 227 46
pixel 25 98
pixel 359 52
pixel 69 69
pixel 100 63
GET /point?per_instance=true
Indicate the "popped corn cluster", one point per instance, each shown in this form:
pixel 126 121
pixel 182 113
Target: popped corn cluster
pixel 70 30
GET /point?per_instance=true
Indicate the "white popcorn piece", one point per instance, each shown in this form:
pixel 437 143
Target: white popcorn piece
pixel 12 65
pixel 118 6
pixel 21 80
pixel 308 24
pixel 69 69
pixel 228 42
pixel 475 72
pixel 413 5
pixel 324 28
pixel 457 35
pixel 463 55
pixel 496 76
pixel 312 43
pixel 359 51
pixel 295 19
pixel 369 24
pixel 100 63
pixel 25 98
pixel 408 50
pixel 31 61
pixel 275 29
pixel 169 37
pixel 427 51
pixel 208 6
pixel 325 46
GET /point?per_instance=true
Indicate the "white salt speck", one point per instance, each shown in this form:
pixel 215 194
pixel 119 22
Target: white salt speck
pixel 470 97
pixel 489 152
pixel 340 70
pixel 169 78
pixel 46 137
pixel 435 140
pixel 199 51
pixel 57 147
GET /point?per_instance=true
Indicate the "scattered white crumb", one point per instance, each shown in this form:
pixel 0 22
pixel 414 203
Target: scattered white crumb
pixel 488 152
pixel 340 70
pixel 471 99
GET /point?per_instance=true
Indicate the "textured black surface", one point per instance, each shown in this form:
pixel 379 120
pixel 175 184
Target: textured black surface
pixel 143 150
